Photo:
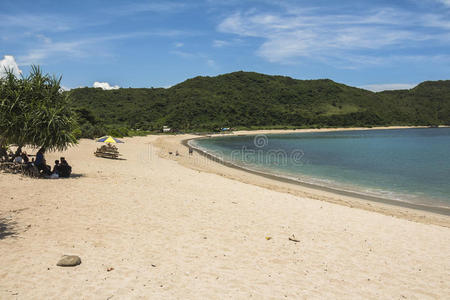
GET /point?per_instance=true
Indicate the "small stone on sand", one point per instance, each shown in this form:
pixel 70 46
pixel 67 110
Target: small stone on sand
pixel 69 261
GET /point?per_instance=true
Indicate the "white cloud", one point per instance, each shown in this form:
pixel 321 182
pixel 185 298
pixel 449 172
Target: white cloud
pixel 179 45
pixel 105 86
pixel 288 36
pixel 156 7
pixel 36 23
pixel 46 48
pixel 200 57
pixel 211 63
pixel 183 54
pixel 388 86
pixel 220 43
pixel 9 63
pixel 445 2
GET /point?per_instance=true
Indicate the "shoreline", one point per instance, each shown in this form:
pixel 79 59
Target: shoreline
pixel 407 210
pixel 433 209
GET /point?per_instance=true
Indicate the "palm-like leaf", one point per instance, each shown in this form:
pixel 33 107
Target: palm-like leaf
pixel 33 111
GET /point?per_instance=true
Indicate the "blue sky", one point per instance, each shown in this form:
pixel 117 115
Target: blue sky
pixel 371 44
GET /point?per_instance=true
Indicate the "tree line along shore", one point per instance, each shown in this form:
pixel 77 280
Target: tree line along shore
pixel 246 100
pixel 36 111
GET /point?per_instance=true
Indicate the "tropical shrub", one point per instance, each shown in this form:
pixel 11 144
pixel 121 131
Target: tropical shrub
pixel 34 111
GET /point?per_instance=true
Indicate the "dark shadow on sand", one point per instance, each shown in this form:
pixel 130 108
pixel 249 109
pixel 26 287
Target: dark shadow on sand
pixel 112 158
pixel 72 176
pixel 7 228
pixel 75 175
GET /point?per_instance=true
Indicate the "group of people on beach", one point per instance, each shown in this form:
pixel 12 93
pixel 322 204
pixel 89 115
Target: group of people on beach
pixel 60 169
pixel 18 157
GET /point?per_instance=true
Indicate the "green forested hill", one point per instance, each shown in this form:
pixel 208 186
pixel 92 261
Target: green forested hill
pixel 245 99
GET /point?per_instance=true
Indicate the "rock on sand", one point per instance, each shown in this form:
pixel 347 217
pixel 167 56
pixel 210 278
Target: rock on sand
pixel 69 261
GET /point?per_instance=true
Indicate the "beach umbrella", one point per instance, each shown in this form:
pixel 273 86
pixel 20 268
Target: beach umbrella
pixel 109 139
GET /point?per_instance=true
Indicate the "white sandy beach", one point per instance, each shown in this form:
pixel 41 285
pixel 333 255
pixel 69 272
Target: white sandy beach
pixel 187 228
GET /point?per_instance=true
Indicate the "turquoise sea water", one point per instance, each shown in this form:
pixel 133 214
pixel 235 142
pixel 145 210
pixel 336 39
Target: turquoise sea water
pixel 411 165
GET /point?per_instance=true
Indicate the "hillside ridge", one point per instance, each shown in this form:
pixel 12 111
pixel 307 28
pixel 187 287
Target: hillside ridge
pixel 253 100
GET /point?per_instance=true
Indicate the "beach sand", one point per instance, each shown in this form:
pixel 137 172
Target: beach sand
pixel 186 227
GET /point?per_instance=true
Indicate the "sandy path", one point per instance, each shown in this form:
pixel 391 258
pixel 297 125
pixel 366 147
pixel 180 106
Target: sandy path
pixel 173 232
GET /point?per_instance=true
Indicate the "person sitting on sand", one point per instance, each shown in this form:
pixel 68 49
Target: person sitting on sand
pixel 10 156
pixel 3 153
pixel 39 157
pixel 30 164
pixel 40 162
pixel 46 169
pixel 18 159
pixel 17 153
pixel 64 168
pixel 25 157
pixel 56 167
pixel 55 172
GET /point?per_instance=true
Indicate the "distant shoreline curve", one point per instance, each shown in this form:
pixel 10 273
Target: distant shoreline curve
pixel 433 209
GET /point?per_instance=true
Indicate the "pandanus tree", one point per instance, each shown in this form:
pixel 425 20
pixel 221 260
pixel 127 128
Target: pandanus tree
pixel 14 112
pixel 35 112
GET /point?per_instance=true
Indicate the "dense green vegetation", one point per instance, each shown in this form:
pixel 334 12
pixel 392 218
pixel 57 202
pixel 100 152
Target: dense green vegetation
pixel 34 112
pixel 252 100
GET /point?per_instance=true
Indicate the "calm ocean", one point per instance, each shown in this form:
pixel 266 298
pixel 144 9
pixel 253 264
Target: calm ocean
pixel 411 165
